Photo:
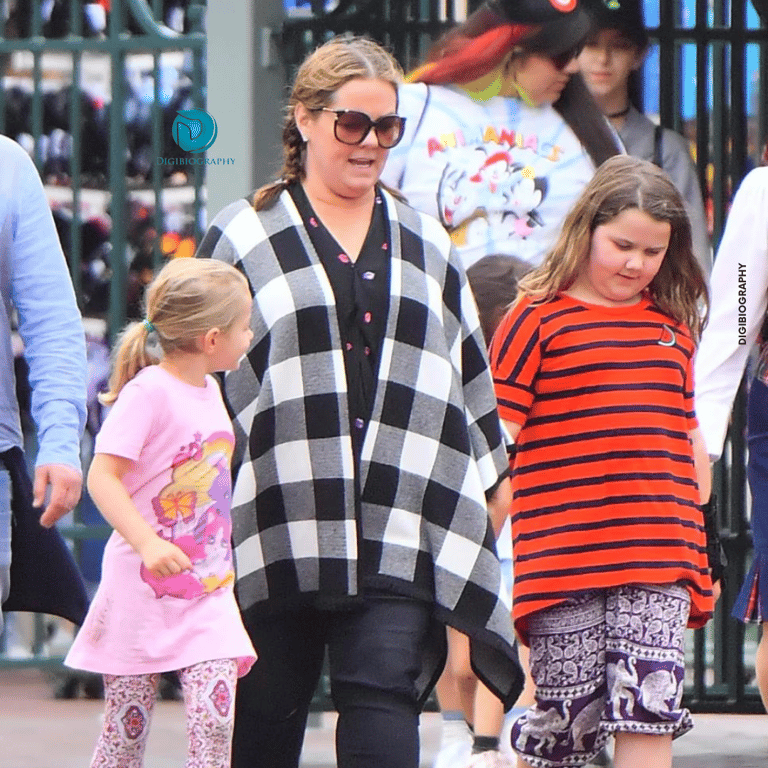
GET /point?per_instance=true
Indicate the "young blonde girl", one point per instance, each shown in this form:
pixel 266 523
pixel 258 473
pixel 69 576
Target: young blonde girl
pixel 161 477
pixel 593 371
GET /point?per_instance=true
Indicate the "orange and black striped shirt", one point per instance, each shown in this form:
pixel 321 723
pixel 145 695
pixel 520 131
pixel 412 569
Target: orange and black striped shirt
pixel 604 483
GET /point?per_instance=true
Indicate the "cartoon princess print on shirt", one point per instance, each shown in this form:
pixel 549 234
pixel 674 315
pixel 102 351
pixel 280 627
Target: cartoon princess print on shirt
pixel 194 512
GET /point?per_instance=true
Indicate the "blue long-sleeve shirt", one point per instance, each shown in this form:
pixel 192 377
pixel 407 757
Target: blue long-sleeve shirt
pixel 35 281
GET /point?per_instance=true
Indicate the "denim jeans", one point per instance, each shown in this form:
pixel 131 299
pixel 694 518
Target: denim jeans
pixel 374 659
pixel 5 538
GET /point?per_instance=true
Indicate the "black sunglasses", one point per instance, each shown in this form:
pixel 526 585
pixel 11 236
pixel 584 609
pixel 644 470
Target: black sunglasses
pixel 351 127
pixel 561 60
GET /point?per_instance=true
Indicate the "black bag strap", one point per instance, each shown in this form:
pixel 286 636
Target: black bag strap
pixel 658 132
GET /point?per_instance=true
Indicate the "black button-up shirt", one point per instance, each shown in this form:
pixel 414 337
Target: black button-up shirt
pixel 361 290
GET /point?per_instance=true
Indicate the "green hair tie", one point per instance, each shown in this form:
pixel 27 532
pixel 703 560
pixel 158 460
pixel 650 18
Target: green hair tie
pixel 148 325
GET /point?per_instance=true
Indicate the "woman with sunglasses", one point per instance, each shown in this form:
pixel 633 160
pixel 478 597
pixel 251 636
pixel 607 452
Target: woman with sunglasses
pixel 610 62
pixel 369 452
pixel 501 134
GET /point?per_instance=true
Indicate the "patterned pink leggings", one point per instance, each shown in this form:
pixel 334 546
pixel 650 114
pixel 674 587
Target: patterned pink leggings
pixel 209 697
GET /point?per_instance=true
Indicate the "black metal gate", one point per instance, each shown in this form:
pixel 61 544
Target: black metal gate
pixel 706 76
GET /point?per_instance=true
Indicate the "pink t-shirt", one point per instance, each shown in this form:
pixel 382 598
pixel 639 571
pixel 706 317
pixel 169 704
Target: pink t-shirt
pixel 181 440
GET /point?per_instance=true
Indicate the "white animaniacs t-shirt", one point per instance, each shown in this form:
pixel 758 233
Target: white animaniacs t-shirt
pixel 498 174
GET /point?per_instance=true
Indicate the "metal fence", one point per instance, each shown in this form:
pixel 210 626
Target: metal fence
pixel 88 98
pixel 706 76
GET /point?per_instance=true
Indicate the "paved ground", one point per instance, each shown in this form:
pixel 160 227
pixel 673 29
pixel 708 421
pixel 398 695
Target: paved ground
pixel 38 731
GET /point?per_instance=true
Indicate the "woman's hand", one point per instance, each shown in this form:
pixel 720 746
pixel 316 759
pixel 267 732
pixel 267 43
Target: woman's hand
pixel 163 558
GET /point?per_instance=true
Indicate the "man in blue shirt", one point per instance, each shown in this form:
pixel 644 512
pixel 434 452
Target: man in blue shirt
pixel 37 293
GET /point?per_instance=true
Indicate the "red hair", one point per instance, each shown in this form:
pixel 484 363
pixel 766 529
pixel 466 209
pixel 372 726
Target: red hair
pixel 466 58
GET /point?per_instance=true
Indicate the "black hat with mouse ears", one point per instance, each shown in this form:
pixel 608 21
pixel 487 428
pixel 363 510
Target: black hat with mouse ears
pixel 536 11
pixel 624 15
pixel 560 25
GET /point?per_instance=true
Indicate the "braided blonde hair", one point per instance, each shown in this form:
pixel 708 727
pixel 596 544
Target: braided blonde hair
pixel 319 77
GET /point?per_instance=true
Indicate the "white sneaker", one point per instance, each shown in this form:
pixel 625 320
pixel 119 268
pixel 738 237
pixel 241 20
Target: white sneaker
pixel 18 651
pixel 489 759
pixel 505 737
pixel 454 755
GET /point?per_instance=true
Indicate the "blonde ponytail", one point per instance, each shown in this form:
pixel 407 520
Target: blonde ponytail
pixel 186 299
pixel 130 356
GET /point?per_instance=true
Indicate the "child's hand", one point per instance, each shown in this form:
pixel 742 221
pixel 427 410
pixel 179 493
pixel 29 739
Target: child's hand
pixel 164 558
pixel 716 589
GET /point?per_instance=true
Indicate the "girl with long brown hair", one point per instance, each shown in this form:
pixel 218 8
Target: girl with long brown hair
pixel 593 368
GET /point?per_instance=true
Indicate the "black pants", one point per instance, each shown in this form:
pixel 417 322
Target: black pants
pixel 375 656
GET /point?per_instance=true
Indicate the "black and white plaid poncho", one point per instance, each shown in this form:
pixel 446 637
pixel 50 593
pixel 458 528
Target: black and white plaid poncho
pixel 432 451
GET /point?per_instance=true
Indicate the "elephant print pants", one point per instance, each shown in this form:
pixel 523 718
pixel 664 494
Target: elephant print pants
pixel 605 661
pixel 209 698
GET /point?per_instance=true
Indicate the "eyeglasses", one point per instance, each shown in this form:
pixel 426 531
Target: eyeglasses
pixel 351 127
pixel 561 60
